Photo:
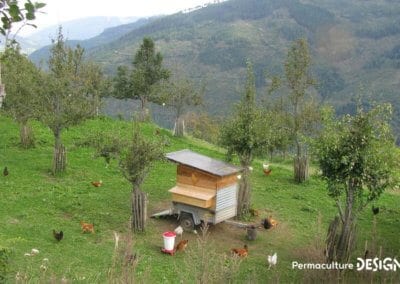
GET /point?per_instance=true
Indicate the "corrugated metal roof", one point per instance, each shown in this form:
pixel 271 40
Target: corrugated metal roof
pixel 201 162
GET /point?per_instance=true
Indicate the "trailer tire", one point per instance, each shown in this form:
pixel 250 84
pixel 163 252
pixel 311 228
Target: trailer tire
pixel 186 221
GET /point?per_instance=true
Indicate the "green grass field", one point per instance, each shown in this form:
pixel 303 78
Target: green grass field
pixel 33 203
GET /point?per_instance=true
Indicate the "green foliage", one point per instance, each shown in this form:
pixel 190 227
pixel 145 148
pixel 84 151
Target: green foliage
pixel 301 113
pixel 179 94
pixel 13 12
pixel 140 155
pixel 69 87
pixel 147 71
pixel 23 85
pixel 202 126
pixel 356 153
pixel 239 134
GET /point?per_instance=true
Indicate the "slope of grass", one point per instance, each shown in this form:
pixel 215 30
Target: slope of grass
pixel 33 203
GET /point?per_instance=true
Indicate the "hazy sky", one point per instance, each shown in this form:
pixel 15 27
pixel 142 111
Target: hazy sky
pixel 58 11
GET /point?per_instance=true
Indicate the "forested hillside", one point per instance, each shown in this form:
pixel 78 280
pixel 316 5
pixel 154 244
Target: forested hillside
pixel 355 47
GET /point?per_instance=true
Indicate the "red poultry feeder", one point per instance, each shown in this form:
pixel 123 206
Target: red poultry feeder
pixel 169 243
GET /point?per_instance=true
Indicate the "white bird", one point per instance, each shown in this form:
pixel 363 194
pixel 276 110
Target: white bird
pixel 250 169
pixel 179 231
pixel 272 260
pixel 265 166
pixel 34 251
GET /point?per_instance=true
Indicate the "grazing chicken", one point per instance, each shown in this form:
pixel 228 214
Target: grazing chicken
pixel 274 223
pixel 58 236
pixel 97 183
pixel 241 252
pixel 179 231
pixel 269 223
pixel 375 210
pixel 5 172
pixel 272 260
pixel 87 227
pixel 181 246
pixel 266 169
pixel 266 224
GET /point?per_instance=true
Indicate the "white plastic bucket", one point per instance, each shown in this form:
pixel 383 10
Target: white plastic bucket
pixel 169 241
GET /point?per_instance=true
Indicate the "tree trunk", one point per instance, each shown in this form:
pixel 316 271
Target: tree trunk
pixel 60 156
pixel 26 136
pixel 139 210
pixel 179 127
pixel 340 244
pixel 244 196
pixel 144 113
pixel 300 168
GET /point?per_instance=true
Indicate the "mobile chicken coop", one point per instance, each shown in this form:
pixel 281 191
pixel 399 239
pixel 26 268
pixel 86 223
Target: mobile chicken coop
pixel 206 189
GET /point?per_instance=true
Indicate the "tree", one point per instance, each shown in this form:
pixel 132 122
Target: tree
pixel 241 136
pixel 66 101
pixel 96 85
pixel 355 154
pixel 135 164
pixel 303 112
pixel 12 12
pixel 146 73
pixel 179 95
pixel 23 87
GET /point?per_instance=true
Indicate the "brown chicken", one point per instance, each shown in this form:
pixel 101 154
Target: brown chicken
pixel 181 246
pixel 97 183
pixel 58 236
pixel 241 252
pixel 267 171
pixel 87 227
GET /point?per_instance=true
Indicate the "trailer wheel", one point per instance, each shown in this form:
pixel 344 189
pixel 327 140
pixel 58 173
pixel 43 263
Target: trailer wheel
pixel 186 221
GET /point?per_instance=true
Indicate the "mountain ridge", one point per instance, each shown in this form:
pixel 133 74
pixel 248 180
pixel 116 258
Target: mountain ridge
pixel 354 45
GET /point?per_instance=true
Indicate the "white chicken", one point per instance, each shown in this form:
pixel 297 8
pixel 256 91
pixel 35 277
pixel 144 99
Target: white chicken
pixel 272 260
pixel 179 231
pixel 34 251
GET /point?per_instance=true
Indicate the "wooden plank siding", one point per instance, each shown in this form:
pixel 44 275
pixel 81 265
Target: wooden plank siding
pixel 194 177
pixel 192 195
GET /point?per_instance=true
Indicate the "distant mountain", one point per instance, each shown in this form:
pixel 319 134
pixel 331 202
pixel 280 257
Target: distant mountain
pixel 108 35
pixel 355 47
pixel 80 29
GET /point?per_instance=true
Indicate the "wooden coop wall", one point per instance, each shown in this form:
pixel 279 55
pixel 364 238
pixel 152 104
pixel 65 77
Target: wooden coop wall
pixel 204 190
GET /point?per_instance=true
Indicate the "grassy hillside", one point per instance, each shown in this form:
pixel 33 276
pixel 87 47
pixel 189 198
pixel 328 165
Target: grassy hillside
pixel 33 203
